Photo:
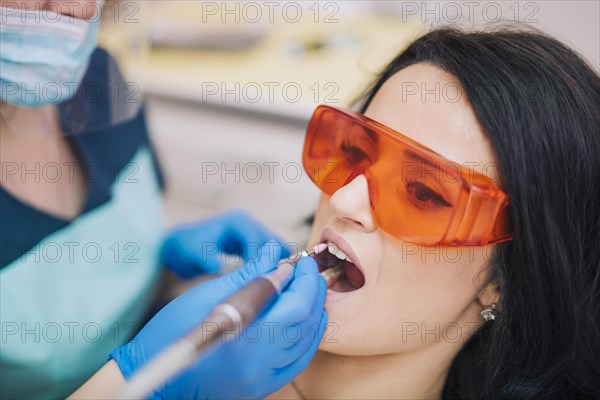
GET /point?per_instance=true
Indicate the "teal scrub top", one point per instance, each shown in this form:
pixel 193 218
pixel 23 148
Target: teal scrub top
pixel 72 291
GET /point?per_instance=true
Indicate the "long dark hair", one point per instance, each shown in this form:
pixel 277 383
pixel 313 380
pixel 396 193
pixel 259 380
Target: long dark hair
pixel 538 103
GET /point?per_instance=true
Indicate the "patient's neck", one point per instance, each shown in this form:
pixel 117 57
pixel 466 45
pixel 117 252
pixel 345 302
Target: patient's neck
pixel 412 375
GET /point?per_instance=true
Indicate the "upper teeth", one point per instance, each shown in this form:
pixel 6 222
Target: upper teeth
pixel 333 249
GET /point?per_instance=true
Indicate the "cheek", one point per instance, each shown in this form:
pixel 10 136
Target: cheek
pixel 422 299
pixel 437 283
pixel 83 9
pixel 322 216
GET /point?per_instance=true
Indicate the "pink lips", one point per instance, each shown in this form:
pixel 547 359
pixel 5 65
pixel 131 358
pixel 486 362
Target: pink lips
pixel 329 236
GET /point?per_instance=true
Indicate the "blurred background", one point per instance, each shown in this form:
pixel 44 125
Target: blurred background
pixel 230 85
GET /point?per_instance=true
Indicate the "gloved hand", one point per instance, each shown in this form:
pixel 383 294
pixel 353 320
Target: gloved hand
pixel 198 248
pixel 269 353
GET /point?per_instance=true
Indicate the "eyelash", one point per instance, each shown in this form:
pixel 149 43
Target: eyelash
pixel 434 199
pixel 432 196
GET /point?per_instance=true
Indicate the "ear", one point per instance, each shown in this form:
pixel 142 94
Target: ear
pixel 490 294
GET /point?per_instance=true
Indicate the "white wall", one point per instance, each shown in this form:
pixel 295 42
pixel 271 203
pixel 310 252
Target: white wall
pixel 575 22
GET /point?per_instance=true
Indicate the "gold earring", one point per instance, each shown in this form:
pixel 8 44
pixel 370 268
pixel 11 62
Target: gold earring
pixel 489 313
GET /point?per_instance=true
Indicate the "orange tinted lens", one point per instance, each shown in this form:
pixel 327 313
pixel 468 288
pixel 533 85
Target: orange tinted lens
pixel 336 146
pixel 416 198
pixel 415 194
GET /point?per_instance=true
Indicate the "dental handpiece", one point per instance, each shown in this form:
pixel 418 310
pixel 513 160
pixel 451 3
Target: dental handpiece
pixel 224 323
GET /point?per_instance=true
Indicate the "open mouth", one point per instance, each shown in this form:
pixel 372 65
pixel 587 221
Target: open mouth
pixel 344 276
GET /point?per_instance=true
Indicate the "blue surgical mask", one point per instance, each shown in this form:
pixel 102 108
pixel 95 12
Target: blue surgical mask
pixel 43 56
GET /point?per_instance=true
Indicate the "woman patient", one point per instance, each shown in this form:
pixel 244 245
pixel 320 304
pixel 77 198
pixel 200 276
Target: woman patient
pixel 473 272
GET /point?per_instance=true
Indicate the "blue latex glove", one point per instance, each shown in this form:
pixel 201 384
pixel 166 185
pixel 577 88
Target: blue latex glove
pixel 198 248
pixel 270 352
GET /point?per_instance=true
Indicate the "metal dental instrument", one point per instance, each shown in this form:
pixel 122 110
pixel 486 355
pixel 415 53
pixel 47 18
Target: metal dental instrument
pixel 332 275
pixel 224 323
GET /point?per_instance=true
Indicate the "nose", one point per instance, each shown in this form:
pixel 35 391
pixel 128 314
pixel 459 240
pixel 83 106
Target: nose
pixel 351 204
pixel 83 9
pixel 86 9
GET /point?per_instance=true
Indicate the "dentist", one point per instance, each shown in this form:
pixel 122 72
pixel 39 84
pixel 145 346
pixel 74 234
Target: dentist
pixel 81 238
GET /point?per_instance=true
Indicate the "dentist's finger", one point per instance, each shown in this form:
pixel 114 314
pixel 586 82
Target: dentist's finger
pixel 312 320
pixel 270 254
pixel 297 302
pixel 287 373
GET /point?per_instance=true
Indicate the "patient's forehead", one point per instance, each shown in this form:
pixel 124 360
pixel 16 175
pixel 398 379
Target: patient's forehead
pixel 428 105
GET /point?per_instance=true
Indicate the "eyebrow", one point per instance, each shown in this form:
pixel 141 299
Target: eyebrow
pixel 372 135
pixel 418 158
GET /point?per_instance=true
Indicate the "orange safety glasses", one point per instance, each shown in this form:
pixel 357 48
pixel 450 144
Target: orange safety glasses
pixel 416 195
